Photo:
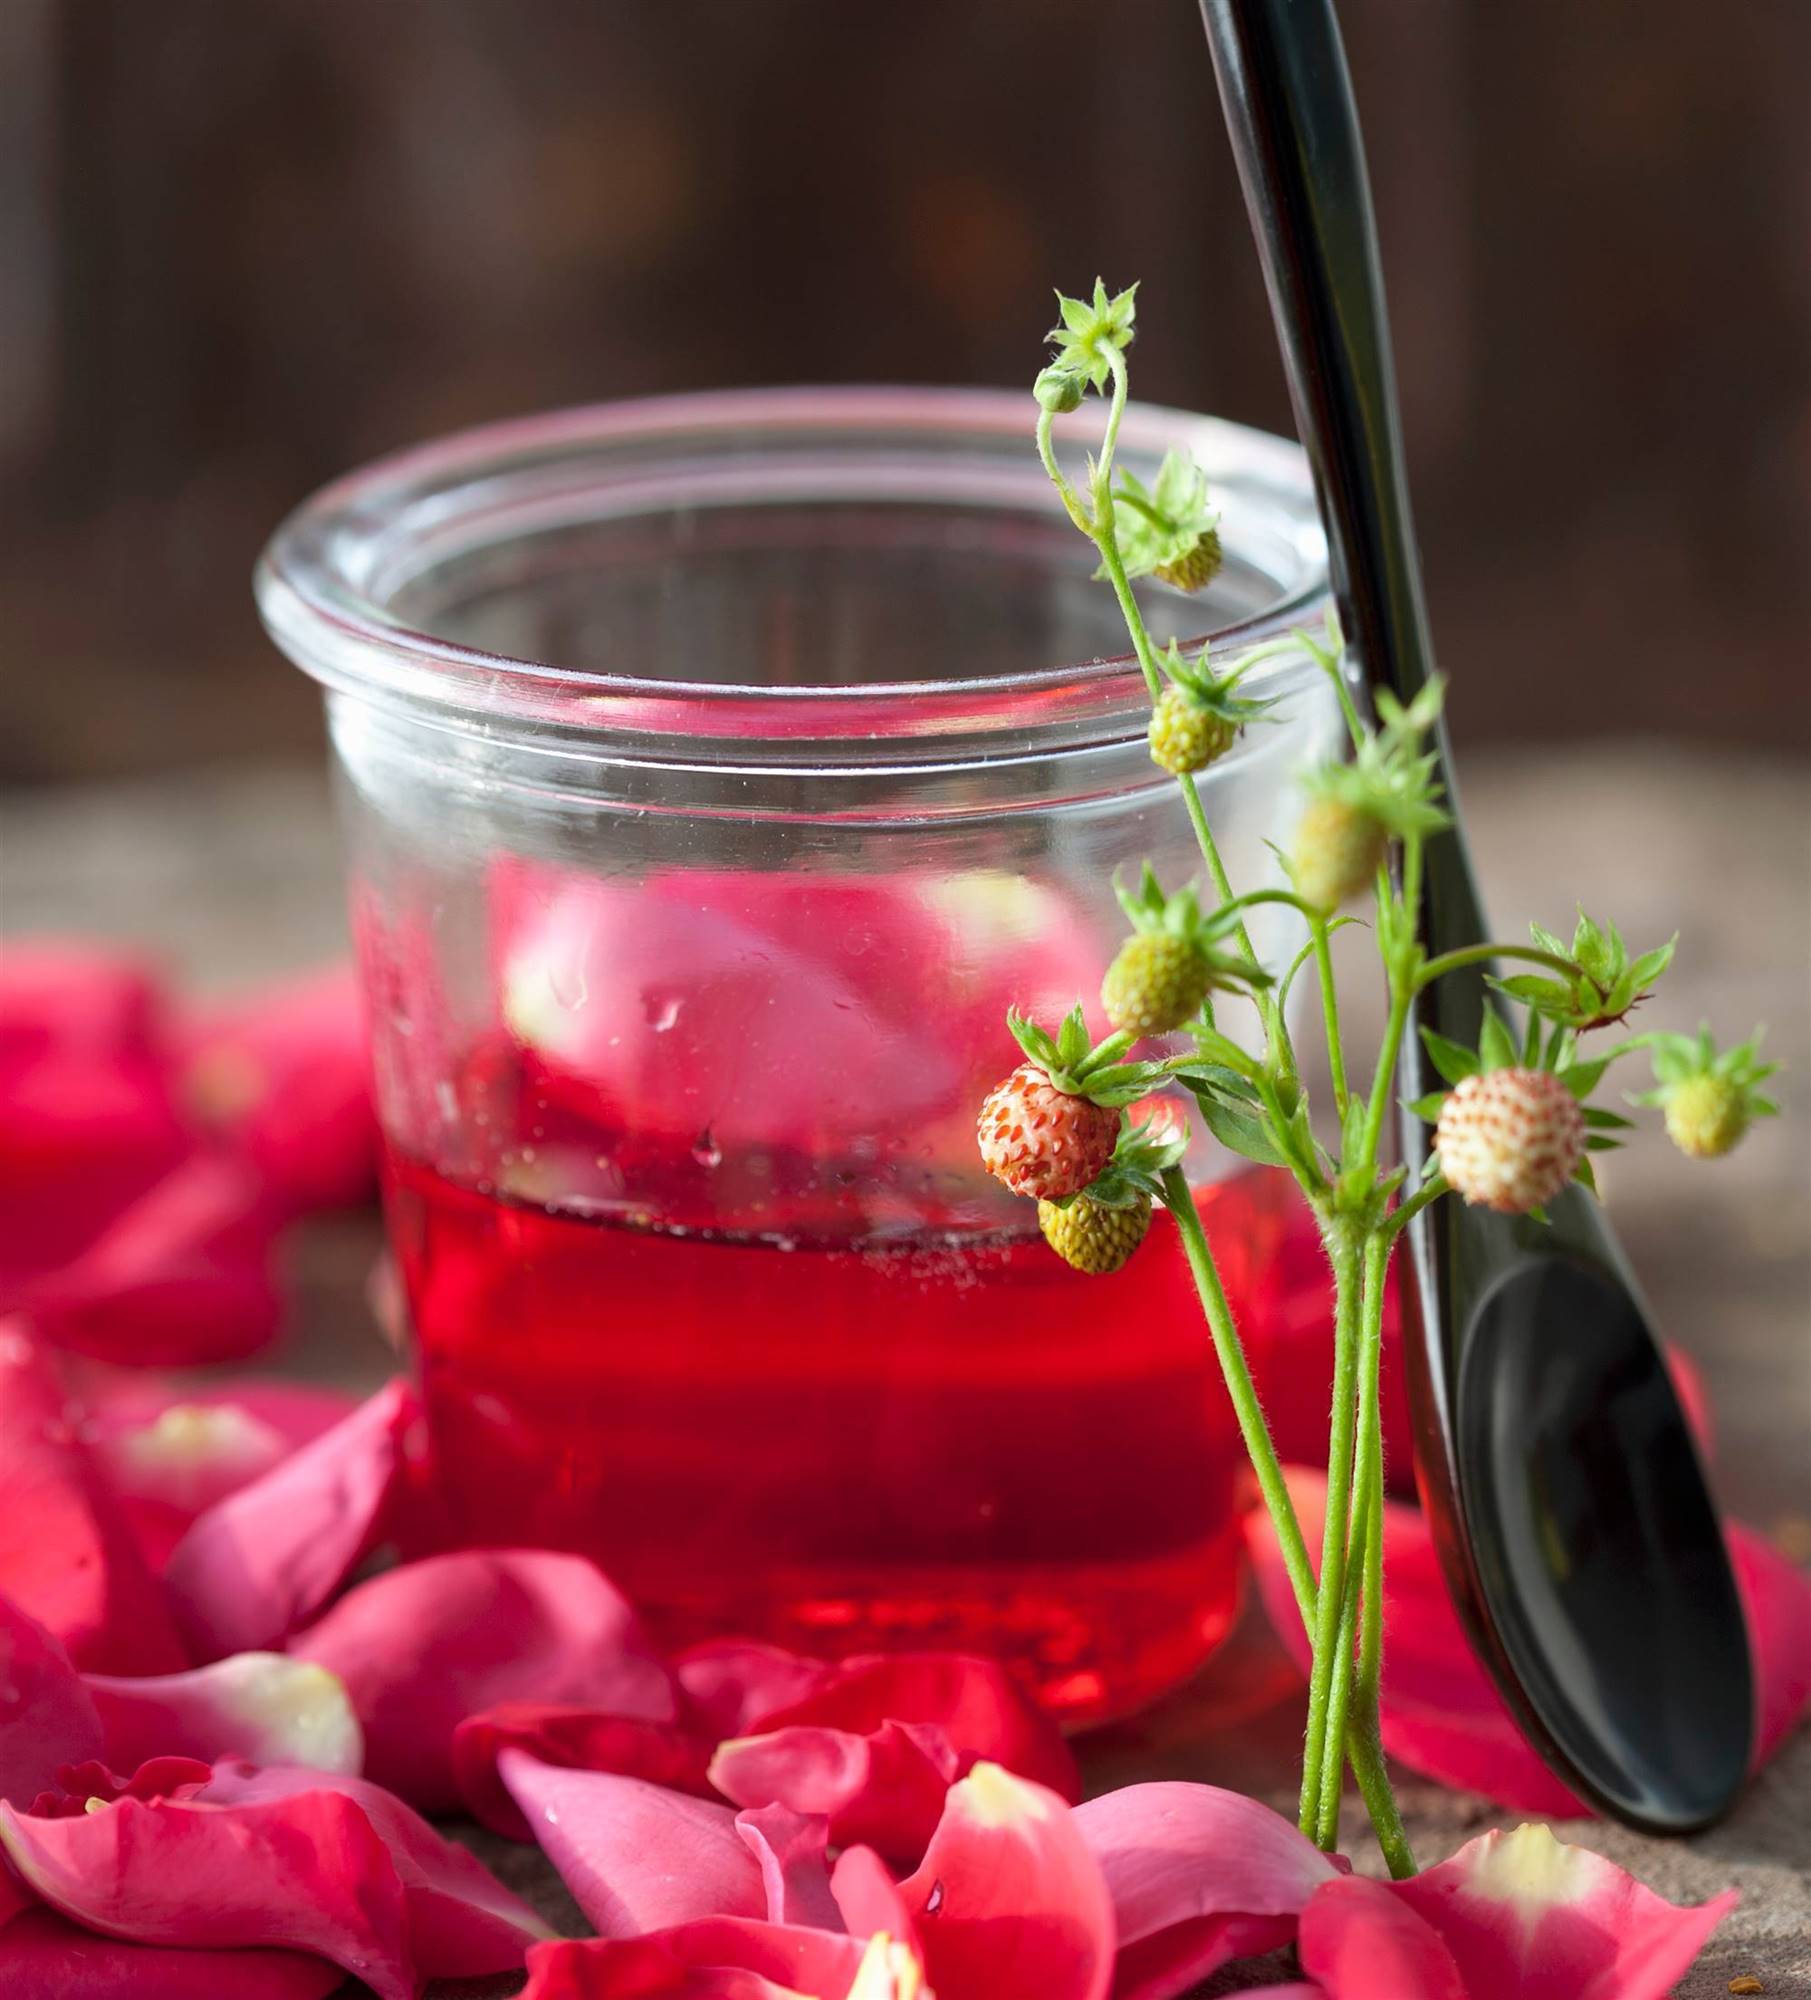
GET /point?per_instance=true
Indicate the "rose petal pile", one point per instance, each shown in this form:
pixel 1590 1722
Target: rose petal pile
pixel 220 1726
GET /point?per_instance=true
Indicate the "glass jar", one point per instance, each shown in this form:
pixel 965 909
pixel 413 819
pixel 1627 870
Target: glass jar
pixel 715 771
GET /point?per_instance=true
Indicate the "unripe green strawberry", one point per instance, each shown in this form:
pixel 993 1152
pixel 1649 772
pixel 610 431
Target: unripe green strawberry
pixel 1185 736
pixel 1092 1236
pixel 1705 1116
pixel 1042 1141
pixel 1510 1139
pixel 1338 849
pixel 1198 566
pixel 1156 982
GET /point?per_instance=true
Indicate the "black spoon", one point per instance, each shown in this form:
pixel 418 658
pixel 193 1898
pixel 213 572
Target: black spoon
pixel 1579 1540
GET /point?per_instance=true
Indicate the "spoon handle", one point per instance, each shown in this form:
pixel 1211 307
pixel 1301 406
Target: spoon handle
pixel 1288 102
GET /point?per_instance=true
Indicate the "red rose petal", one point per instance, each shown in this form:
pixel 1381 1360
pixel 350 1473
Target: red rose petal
pixel 868 1899
pixel 264 1707
pixel 1198 1877
pixel 719 1958
pixel 423 1647
pixel 1522 1913
pixel 637 1858
pixel 67 1558
pixel 46 1957
pixel 52 1718
pixel 734 1683
pixel 1008 1899
pixel 284 1076
pixel 580 1739
pixel 885 1788
pixel 1776 1595
pixel 791 1850
pixel 180 1277
pixel 266 1558
pixel 976 1703
pixel 75 997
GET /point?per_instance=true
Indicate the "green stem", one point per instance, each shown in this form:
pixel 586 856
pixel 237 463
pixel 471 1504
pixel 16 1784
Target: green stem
pixel 1404 984
pixel 1480 954
pixel 1364 1749
pixel 1366 1521
pixel 1072 500
pixel 1338 1519
pixel 1336 1054
pixel 1424 1196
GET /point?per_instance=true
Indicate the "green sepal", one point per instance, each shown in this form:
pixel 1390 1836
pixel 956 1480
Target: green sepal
pixel 1152 913
pixel 1088 330
pixel 1586 1176
pixel 1451 1059
pixel 1428 1107
pixel 1159 525
pixel 1496 1050
pixel 1080 1070
pixel 1141 1157
pixel 1392 775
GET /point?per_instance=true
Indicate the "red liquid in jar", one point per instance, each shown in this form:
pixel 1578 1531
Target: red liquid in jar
pixel 846 1444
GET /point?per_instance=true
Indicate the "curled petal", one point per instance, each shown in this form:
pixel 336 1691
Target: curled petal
pixel 181 1276
pixel 580 1739
pixel 53 1719
pixel 976 1703
pixel 717 1958
pixel 285 1860
pixel 868 1899
pixel 791 1850
pixel 1361 1942
pixel 67 1557
pixel 1198 1876
pixel 264 1707
pixel 262 1561
pixel 1008 1899
pixel 1522 1913
pixel 48 1958
pixel 284 1077
pixel 885 1788
pixel 423 1647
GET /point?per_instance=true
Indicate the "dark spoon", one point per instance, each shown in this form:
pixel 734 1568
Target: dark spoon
pixel 1579 1539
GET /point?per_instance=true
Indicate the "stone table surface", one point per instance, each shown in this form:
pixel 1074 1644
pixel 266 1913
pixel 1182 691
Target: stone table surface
pixel 232 876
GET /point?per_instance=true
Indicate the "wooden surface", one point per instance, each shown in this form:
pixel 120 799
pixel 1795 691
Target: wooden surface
pixel 234 877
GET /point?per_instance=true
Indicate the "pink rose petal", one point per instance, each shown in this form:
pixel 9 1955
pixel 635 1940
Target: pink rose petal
pixel 580 1739
pixel 976 1703
pixel 1008 1900
pixel 171 1453
pixel 284 1077
pixel 734 1683
pixel 264 1707
pixel 47 1717
pixel 423 1647
pixel 885 1788
pixel 1522 1913
pixel 1776 1594
pixel 67 1558
pixel 1361 1942
pixel 73 996
pixel 180 1277
pixel 718 1958
pixel 1198 1877
pixel 791 1850
pixel 868 1899
pixel 266 1558
pixel 280 1859
pixel 636 1858
pixel 45 1957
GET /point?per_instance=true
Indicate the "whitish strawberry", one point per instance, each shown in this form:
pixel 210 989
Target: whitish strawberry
pixel 1092 1236
pixel 1041 1140
pixel 1049 1129
pixel 1510 1139
pixel 1337 851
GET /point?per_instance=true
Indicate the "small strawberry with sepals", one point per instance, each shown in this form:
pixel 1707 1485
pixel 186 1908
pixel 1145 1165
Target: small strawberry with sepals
pixel 1168 966
pixel 1097 1230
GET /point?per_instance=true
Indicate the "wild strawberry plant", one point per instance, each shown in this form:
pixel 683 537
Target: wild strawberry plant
pixel 1088 1130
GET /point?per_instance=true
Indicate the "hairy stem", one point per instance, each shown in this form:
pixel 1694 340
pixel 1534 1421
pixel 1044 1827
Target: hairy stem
pixel 1336 1054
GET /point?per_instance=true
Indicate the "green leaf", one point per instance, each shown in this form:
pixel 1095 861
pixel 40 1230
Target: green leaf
pixel 1427 1107
pixel 1238 1133
pixel 1546 996
pixel 1600 1120
pixel 1451 1059
pixel 1495 1049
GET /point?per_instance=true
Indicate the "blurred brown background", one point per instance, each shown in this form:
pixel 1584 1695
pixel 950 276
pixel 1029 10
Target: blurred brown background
pixel 244 247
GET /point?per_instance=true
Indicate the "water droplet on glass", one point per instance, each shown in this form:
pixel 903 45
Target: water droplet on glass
pixel 661 1012
pixel 934 1901
pixel 568 985
pixel 705 1149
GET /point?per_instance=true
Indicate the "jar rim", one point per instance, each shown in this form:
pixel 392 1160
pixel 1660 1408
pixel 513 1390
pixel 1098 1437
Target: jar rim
pixel 318 580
